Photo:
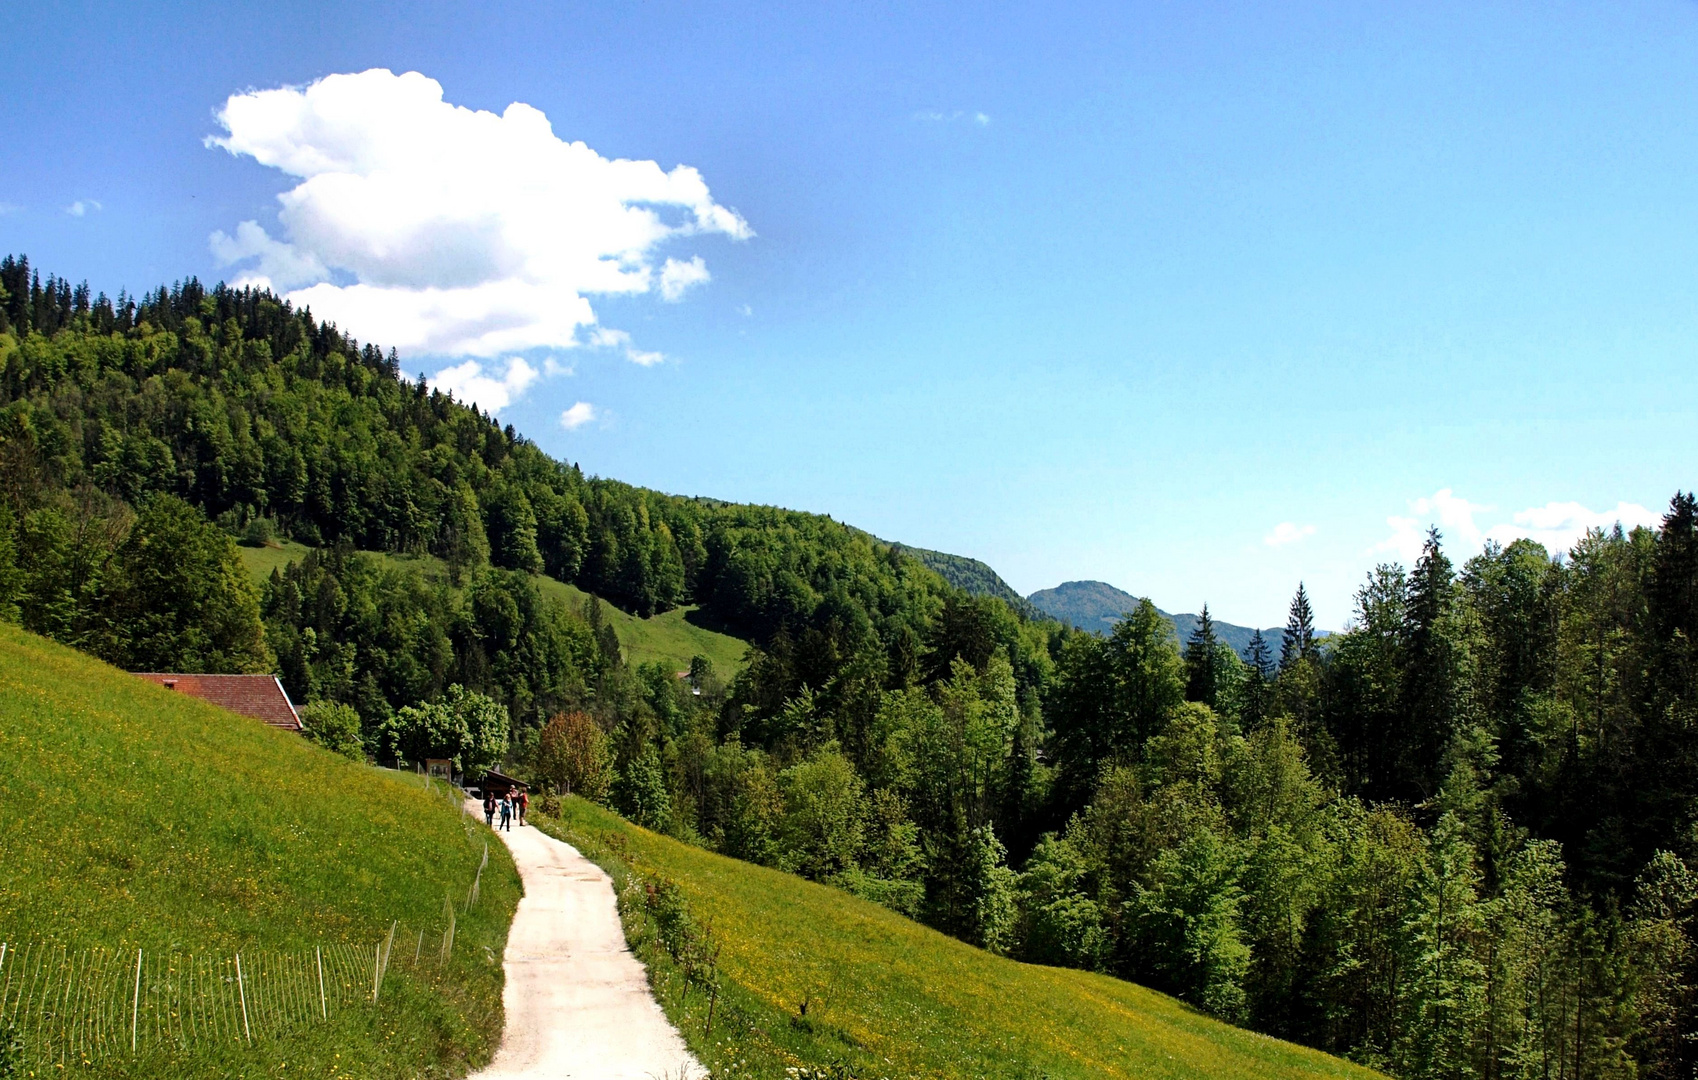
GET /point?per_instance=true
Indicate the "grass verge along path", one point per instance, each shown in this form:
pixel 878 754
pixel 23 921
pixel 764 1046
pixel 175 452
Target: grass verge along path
pixel 802 976
pixel 132 817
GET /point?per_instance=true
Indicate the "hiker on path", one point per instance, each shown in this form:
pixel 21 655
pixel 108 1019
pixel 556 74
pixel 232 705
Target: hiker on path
pixel 489 808
pixel 507 812
pixel 524 804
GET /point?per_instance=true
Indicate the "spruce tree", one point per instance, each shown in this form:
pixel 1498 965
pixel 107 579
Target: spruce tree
pixel 1299 641
pixel 1429 682
pixel 1202 662
pixel 1256 681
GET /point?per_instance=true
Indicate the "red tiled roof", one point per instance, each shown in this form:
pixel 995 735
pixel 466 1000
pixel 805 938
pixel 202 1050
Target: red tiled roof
pixel 259 696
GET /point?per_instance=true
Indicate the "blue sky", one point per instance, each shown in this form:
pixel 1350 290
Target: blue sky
pixel 1197 300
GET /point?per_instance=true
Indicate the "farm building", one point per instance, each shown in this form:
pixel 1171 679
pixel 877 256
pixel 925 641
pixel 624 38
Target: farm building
pixel 259 696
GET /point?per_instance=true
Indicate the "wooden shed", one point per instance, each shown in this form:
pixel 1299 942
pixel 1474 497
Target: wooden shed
pixel 500 784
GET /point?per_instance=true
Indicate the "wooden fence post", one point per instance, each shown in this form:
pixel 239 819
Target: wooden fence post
pixel 242 990
pixel 388 948
pixel 323 1009
pixel 135 1004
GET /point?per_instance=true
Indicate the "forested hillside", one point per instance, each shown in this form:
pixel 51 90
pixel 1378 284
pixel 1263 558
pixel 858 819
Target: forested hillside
pixel 972 576
pixel 267 423
pixel 1453 840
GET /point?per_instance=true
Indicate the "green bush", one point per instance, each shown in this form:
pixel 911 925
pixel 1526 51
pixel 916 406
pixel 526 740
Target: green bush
pixel 334 726
pixel 259 532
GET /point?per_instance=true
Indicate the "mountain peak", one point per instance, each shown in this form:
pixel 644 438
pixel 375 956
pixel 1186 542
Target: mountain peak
pixel 1096 606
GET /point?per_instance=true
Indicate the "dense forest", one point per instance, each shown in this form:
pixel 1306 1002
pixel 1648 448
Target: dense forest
pixel 1453 840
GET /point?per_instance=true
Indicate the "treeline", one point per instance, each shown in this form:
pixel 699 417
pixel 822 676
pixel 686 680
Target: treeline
pixel 1452 841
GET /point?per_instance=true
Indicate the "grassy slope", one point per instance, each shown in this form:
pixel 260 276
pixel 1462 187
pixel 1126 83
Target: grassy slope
pixel 891 998
pixel 669 638
pixel 132 816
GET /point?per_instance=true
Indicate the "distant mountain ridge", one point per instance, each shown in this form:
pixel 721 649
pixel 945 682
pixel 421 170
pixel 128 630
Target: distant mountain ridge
pixel 1089 605
pixel 1097 606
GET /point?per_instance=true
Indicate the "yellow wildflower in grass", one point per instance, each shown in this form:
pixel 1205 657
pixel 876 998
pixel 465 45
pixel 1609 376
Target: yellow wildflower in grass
pixel 888 998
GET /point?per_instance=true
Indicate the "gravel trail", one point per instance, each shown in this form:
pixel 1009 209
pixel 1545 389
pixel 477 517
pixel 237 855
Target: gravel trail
pixel 578 1003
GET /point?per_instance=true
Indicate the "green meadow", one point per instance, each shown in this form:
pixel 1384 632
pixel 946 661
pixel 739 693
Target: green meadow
pixel 815 980
pixel 670 638
pixel 132 817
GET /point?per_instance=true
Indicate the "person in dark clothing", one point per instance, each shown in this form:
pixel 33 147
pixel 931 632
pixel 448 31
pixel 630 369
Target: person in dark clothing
pixel 489 808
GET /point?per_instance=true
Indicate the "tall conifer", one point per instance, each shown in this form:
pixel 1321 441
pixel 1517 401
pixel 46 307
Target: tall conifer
pixel 1299 643
pixel 1429 677
pixel 1202 661
pixel 1256 681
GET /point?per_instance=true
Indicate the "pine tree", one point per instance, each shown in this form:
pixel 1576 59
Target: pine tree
pixel 1202 662
pixel 1299 643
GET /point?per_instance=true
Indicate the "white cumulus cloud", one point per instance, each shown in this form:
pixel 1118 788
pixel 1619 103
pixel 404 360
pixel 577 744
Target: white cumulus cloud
pixel 81 207
pixel 1452 514
pixel 451 231
pixel 281 266
pixel 577 416
pixel 1287 532
pixel 470 383
pixel 1556 525
pixel 1560 525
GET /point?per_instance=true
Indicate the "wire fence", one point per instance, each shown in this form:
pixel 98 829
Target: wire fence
pixel 69 1007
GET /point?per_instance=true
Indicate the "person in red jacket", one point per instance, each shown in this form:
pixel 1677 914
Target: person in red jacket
pixel 524 804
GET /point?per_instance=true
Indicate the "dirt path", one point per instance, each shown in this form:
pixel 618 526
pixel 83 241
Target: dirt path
pixel 578 1003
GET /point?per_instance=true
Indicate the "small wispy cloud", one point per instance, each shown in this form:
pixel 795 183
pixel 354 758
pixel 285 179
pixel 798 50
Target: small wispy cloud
pixel 603 338
pixel 677 278
pixel 1287 532
pixel 745 310
pixel 577 416
pixel 82 207
pixel 939 116
pixel 9 208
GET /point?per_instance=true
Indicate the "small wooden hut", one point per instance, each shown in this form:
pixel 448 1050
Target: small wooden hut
pixel 499 784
